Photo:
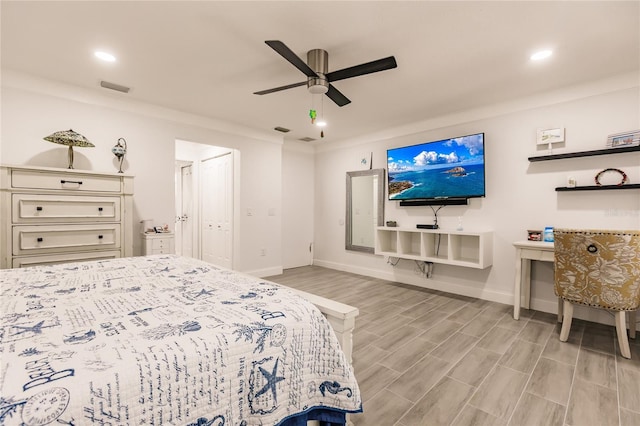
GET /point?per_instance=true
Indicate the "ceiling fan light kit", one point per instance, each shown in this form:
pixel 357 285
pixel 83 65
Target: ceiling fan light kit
pixel 318 86
pixel 316 69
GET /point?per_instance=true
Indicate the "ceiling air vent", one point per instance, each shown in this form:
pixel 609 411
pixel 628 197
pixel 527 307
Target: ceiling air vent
pixel 306 139
pixel 114 86
pixel 282 129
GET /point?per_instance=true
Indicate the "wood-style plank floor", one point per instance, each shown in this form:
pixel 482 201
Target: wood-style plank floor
pixel 425 357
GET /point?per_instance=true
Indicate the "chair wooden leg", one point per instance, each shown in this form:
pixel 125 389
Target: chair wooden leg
pixel 560 310
pixel 567 316
pixel 632 324
pixel 621 329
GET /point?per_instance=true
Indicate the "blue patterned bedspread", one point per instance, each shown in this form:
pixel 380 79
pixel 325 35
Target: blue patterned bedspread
pixel 162 340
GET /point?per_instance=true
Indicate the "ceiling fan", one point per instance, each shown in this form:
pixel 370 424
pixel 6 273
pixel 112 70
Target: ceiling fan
pixel 316 69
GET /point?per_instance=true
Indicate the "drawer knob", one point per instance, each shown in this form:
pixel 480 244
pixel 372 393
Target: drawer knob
pixel 99 209
pixel 40 239
pixel 39 208
pixel 100 237
pixel 79 182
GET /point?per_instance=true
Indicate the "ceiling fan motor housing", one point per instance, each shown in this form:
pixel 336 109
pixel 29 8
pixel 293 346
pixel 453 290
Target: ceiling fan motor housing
pixel 318 61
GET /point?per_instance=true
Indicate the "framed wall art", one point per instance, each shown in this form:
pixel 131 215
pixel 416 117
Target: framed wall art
pixel 549 136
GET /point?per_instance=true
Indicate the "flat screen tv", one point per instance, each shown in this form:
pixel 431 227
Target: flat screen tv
pixel 445 169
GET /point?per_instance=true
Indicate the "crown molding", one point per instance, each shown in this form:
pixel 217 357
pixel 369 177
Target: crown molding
pixel 118 101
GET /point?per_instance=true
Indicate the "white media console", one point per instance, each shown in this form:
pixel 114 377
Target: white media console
pixel 461 248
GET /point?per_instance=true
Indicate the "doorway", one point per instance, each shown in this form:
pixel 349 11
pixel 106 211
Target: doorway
pixel 205 202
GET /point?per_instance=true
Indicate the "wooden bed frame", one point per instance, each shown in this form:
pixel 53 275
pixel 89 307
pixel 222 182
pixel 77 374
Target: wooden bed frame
pixel 343 320
pixel 341 317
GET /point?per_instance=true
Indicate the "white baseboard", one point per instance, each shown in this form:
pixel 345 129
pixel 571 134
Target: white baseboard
pixel 542 305
pixel 368 272
pixel 412 279
pixel 266 272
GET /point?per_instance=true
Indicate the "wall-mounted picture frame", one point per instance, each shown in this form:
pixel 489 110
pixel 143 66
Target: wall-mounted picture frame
pixel 549 136
pixel 624 139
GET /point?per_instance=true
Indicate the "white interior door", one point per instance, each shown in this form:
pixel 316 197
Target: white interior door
pixel 217 210
pixel 186 216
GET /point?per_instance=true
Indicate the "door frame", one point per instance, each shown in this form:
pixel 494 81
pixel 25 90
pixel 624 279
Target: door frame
pixel 179 201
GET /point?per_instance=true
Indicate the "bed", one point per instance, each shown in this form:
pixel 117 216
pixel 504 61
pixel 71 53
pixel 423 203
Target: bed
pixel 169 340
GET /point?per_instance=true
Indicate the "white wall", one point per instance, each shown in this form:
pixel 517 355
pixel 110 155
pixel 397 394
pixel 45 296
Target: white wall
pixel 520 194
pixel 298 206
pixel 33 108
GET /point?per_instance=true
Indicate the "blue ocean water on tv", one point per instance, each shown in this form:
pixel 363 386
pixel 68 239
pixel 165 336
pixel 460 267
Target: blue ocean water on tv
pixel 440 182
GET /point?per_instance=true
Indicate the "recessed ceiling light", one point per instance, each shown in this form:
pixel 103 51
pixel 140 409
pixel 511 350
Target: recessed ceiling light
pixel 321 123
pixel 107 57
pixel 543 54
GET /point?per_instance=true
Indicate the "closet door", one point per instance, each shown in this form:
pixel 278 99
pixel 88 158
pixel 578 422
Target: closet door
pixel 217 210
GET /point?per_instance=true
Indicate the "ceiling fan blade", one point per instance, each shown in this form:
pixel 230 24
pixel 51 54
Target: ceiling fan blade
pixel 277 89
pixel 288 54
pixel 336 96
pixel 362 69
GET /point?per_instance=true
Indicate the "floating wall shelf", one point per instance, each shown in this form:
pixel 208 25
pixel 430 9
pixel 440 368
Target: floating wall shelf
pixel 585 153
pixel 598 187
pixel 459 248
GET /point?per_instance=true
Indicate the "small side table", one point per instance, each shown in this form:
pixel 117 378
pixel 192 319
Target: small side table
pixel 158 243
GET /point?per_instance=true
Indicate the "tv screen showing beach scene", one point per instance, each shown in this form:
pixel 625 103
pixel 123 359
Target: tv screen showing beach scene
pixel 449 168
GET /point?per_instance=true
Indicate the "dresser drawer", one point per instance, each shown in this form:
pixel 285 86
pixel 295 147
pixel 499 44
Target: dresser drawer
pixel 533 254
pixel 54 259
pixel 64 181
pixel 161 243
pixel 65 238
pixel 29 208
pixel 161 251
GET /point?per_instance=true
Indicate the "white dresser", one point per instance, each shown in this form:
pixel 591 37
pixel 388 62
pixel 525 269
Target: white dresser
pixel 51 215
pixel 158 243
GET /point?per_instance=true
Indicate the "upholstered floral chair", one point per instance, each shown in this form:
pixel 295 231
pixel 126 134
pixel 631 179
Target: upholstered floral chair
pixel 599 269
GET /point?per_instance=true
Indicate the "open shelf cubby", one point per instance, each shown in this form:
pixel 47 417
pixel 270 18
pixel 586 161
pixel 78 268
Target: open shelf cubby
pixel 460 248
pixel 387 242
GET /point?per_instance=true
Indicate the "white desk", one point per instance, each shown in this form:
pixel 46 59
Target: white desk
pixel 526 251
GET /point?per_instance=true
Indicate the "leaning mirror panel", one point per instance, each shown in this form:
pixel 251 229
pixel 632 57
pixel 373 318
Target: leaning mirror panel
pixel 365 208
